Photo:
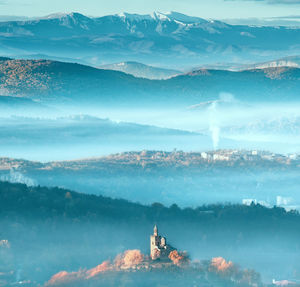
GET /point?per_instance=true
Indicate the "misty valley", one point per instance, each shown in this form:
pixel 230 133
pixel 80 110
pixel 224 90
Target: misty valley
pixel 149 149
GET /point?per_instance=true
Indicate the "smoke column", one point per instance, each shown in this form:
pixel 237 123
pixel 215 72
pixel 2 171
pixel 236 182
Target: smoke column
pixel 214 124
pixel 214 121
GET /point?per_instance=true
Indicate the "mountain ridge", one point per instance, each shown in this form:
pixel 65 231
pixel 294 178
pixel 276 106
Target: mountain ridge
pixel 154 16
pixel 55 81
pixel 163 36
pixel 141 70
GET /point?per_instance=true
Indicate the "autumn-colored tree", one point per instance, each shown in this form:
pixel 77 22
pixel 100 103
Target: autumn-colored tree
pixel 178 258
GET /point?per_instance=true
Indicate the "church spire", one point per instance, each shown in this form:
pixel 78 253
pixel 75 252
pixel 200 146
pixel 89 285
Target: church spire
pixel 155 231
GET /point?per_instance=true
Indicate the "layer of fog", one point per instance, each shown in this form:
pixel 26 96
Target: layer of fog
pixel 225 123
pixel 232 120
pixel 72 247
pixel 186 189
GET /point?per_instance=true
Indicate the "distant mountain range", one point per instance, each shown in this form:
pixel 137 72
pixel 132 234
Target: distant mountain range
pixel 292 61
pixel 170 39
pixel 140 70
pixel 73 84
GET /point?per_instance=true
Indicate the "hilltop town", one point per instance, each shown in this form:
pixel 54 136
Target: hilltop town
pixel 152 159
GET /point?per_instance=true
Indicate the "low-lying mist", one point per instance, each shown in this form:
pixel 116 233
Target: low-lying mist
pixel 46 231
pixel 184 187
pixel 224 123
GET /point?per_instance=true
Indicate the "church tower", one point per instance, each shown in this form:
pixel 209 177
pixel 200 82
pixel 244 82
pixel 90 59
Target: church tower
pixel 154 244
pixel 159 249
pixel 155 233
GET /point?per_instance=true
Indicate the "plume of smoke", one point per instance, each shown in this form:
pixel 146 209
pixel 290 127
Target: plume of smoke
pixel 214 121
pixel 18 177
pixel 214 124
pixel 18 275
pixel 226 98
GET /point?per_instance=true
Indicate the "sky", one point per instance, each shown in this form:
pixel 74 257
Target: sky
pixel 211 9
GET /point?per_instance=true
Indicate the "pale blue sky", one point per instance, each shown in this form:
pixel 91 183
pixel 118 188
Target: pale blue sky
pixel 216 9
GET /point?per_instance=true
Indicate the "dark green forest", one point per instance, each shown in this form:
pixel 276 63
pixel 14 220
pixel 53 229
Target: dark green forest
pixel 56 204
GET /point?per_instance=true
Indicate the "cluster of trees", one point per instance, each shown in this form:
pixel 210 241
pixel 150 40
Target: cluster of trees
pixel 21 201
pixel 175 277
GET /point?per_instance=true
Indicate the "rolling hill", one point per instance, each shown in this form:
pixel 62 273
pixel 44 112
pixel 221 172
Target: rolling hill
pixel 291 61
pixel 142 71
pixel 71 84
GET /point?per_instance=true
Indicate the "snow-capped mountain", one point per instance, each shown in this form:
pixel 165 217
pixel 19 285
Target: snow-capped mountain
pixel 169 16
pixel 173 39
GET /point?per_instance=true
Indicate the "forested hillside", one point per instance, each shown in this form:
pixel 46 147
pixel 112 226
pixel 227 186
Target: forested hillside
pixel 68 83
pixel 38 222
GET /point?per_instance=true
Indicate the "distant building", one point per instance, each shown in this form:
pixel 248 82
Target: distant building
pixel 159 249
pixel 204 155
pixel 220 157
